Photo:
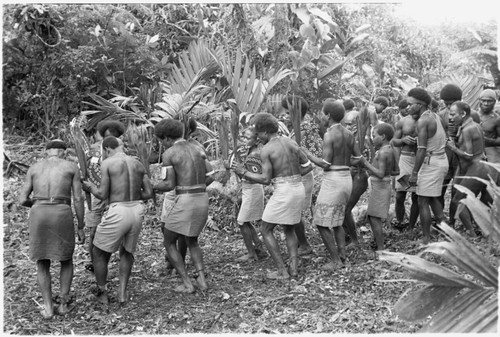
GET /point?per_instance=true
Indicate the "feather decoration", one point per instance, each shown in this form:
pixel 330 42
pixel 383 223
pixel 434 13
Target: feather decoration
pixel 82 149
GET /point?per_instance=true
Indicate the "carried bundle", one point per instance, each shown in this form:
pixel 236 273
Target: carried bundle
pixel 82 149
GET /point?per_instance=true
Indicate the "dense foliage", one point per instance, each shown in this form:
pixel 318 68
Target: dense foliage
pixel 57 57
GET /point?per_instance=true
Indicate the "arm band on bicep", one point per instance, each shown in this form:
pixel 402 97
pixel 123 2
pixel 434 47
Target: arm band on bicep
pixel 210 173
pixel 306 164
pixel 421 147
pixel 327 163
pixel 357 157
pixel 468 154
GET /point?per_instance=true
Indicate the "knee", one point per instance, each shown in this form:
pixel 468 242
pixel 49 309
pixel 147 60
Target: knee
pixel 266 228
pixel 67 263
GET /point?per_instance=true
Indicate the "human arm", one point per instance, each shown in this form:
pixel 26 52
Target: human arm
pixel 421 149
pixel 101 192
pixel 169 182
pixel 24 198
pixel 488 141
pixel 398 140
pixel 209 176
pixel 356 154
pixel 305 163
pixel 466 149
pixel 147 188
pixel 261 178
pixel 383 160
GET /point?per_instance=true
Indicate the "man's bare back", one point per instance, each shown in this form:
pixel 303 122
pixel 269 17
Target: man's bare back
pixel 53 178
pixel 284 156
pixel 339 145
pixel 188 163
pixel 125 176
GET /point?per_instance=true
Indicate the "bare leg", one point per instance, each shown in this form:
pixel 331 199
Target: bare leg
pixel 376 224
pixel 182 246
pixel 259 246
pixel 293 251
pixel 66 277
pixel 425 217
pixel 91 246
pixel 246 233
pixel 273 248
pixel 101 260
pixel 339 234
pixel 197 256
pixel 126 263
pixel 400 206
pixel 45 283
pixel 300 232
pixel 359 186
pixel 329 241
pixel 413 210
pixel 170 241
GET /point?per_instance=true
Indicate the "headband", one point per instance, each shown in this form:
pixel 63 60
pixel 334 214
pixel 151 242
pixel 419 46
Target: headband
pixel 56 144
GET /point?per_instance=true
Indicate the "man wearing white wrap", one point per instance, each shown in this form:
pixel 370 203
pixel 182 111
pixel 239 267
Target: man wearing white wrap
pixel 283 164
pixel 339 147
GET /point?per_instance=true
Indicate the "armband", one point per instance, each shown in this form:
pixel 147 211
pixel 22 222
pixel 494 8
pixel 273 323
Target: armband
pixel 210 173
pixel 327 163
pixel 357 157
pixel 421 147
pixel 467 154
pixel 306 164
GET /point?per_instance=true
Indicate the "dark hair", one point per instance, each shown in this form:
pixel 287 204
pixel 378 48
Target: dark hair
pixel 169 128
pixel 334 109
pixel 265 122
pixel 56 144
pixel 451 92
pixel 382 100
pixel 110 142
pixel 403 104
pixel 463 107
pixel 348 104
pixel 420 94
pixel 299 101
pixel 116 128
pixel 434 103
pixel 192 124
pixel 385 129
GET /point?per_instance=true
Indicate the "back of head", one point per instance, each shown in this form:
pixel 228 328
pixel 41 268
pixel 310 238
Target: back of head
pixel 434 104
pixel 287 103
pixel 403 104
pixel 451 93
pixel 348 104
pixel 420 94
pixel 114 127
pixel 265 122
pixel 170 128
pixel 385 129
pixel 382 100
pixel 462 106
pixel 56 144
pixel 110 142
pixel 334 109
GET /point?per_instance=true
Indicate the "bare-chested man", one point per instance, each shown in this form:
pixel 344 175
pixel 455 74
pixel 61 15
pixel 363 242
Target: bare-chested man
pixel 490 122
pixel 339 147
pixel 431 163
pixel 283 164
pixel 93 217
pixel 51 228
pixel 405 138
pixel 188 172
pixel 125 184
pixel 470 151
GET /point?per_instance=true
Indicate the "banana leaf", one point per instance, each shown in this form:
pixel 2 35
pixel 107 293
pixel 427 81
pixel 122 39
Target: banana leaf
pixel 82 149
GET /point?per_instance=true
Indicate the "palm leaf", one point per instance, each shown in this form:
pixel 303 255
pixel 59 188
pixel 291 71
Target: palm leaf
pixel 363 126
pixel 82 149
pixel 295 115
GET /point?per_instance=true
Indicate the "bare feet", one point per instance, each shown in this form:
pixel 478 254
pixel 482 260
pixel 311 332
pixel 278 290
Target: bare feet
pixel 293 266
pixel 201 282
pixel 332 266
pixel 305 250
pixel 247 258
pixel 102 296
pixel 276 275
pixel 47 313
pixel 184 289
pixel 123 298
pixel 261 253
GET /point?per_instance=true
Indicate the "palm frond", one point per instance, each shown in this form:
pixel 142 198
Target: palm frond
pixel 295 116
pixel 82 149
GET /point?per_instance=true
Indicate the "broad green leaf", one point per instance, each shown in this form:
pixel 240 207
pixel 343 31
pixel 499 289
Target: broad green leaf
pixel 307 31
pixel 303 14
pixel 357 39
pixel 474 264
pixel 362 28
pixel 462 307
pixel 331 69
pixel 488 272
pixel 483 217
pixel 426 271
pixel 321 14
pixel 424 302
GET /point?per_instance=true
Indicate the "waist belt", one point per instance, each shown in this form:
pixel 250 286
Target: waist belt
pixel 431 153
pixel 408 153
pixel 342 168
pixel 52 201
pixel 288 179
pixel 191 191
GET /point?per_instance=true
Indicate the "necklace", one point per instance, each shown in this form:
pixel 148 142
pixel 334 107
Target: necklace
pixel 179 140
